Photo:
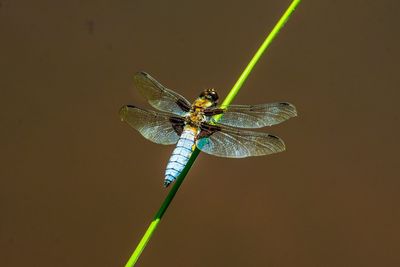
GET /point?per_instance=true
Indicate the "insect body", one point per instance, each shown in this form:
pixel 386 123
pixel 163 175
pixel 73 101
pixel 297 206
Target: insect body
pixel 186 144
pixel 192 125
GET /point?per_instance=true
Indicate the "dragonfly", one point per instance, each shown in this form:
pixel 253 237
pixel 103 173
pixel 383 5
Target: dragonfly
pixel 215 130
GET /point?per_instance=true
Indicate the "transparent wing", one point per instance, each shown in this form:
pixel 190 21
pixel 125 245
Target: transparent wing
pixel 228 142
pixel 156 127
pixel 257 116
pixel 160 97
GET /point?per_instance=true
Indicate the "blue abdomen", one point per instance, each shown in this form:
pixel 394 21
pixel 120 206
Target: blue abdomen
pixel 180 156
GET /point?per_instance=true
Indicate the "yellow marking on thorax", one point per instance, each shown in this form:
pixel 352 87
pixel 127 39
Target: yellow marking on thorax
pixel 202 103
pixel 195 117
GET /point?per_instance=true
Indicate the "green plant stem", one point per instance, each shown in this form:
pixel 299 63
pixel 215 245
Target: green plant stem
pixel 228 100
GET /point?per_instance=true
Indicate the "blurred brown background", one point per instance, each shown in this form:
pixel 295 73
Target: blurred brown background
pixel 79 188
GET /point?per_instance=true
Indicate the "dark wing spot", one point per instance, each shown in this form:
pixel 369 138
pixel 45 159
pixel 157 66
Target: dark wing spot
pixel 144 73
pixel 177 124
pixel 182 104
pixel 210 127
pixel 177 120
pixel 207 129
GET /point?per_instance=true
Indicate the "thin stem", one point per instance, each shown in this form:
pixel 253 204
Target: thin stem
pixel 228 100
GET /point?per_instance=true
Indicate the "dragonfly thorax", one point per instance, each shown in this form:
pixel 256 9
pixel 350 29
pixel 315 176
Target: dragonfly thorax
pixel 207 99
pixel 195 117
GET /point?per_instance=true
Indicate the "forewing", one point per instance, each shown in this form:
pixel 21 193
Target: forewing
pixel 159 96
pixel 257 116
pixel 156 127
pixel 228 142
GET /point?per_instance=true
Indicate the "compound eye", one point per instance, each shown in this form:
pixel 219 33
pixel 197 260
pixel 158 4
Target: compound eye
pixel 214 95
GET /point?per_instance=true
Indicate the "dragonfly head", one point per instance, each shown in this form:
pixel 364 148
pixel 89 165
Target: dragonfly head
pixel 210 94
